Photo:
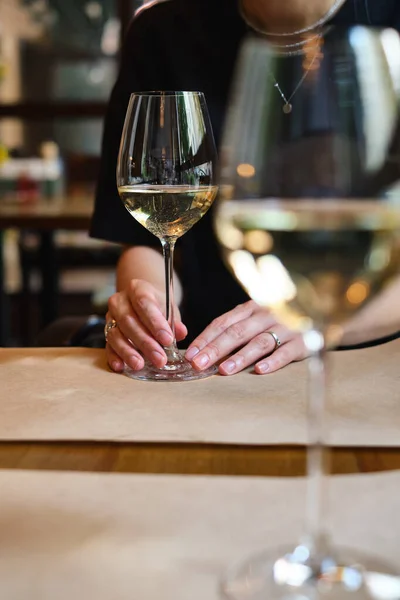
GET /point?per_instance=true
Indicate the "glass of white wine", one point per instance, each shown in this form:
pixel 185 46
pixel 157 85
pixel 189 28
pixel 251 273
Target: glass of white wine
pixel 308 220
pixel 166 178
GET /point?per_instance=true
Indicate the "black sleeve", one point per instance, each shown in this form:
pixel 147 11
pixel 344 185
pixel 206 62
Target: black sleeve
pixel 140 70
pixel 396 21
pixel 377 342
pixel 383 13
pixel 377 13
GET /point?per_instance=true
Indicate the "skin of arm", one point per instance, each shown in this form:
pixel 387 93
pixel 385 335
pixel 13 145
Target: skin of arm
pixel 142 262
pixel 380 318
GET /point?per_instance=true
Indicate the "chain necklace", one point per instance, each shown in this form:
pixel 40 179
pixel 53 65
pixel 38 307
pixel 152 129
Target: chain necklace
pixel 297 48
pixel 287 107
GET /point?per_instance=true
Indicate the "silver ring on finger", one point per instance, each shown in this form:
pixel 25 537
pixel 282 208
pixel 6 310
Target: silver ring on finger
pixel 276 340
pixel 111 324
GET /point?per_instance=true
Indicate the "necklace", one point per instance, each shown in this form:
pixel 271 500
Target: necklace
pixel 296 48
pixel 287 107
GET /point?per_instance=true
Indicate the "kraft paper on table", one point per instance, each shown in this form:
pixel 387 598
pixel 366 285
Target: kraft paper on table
pixel 125 537
pixel 70 394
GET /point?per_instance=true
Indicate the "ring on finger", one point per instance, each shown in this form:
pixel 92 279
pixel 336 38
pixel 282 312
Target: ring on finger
pixel 111 324
pixel 276 340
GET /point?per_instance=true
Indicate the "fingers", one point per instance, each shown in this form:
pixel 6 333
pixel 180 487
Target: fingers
pixel 293 350
pixel 114 360
pixel 130 338
pixel 263 346
pixel 119 352
pixel 260 346
pixel 180 331
pixel 227 333
pixel 135 334
pixel 218 326
pixel 148 306
pixel 246 331
pixel 146 302
pixel 142 330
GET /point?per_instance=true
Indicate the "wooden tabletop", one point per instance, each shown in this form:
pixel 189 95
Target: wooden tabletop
pixel 47 214
pixel 89 412
pixel 193 459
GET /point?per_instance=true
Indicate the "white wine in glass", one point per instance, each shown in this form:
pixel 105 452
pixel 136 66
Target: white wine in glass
pixel 308 221
pixel 314 263
pixel 167 211
pixel 166 178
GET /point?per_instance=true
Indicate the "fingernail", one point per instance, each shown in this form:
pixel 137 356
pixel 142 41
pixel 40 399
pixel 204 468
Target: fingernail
pixel 262 367
pixel 157 359
pixel 116 366
pixel 134 363
pixel 164 337
pixel 201 360
pixel 229 366
pixel 191 353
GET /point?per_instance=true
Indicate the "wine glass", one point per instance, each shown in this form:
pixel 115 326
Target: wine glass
pixel 166 175
pixel 308 220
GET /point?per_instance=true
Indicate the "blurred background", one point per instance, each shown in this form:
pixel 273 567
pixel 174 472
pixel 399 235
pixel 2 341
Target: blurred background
pixel 58 63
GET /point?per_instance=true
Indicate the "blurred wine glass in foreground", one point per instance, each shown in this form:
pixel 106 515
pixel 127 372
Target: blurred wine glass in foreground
pixel 308 222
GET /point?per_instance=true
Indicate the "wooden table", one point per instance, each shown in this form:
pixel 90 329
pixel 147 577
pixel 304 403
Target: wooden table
pixel 45 217
pixel 186 448
pixel 47 214
pixel 211 459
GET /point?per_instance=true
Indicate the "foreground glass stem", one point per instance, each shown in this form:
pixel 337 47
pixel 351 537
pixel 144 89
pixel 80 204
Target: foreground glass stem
pixel 168 245
pixel 315 537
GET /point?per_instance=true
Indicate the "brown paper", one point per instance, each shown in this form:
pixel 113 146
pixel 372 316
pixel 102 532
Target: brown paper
pixel 119 537
pixel 70 394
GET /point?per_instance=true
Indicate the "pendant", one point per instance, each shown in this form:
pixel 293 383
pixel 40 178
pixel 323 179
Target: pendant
pixel 287 108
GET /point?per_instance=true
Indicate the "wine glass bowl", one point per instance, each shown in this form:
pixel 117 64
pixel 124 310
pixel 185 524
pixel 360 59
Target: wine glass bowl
pixel 308 220
pixel 166 178
pixel 313 263
pixel 297 222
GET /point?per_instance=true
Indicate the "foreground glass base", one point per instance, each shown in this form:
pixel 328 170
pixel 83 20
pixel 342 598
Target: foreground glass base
pixel 295 577
pixel 179 370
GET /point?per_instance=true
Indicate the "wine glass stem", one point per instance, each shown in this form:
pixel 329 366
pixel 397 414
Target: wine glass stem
pixel 168 246
pixel 317 454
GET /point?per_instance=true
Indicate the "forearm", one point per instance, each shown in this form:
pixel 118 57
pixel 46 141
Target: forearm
pixel 378 319
pixel 142 262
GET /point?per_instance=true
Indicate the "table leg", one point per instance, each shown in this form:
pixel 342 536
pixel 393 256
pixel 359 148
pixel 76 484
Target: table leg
pixel 49 296
pixel 4 305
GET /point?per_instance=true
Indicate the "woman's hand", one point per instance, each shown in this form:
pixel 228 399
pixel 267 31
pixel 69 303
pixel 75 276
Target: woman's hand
pixel 246 331
pixel 142 329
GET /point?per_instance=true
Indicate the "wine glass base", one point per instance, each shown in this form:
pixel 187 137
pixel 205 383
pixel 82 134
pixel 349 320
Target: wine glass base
pixel 342 575
pixel 177 371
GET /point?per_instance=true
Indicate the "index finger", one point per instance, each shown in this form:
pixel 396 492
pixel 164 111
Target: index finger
pixel 147 308
pixel 218 326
